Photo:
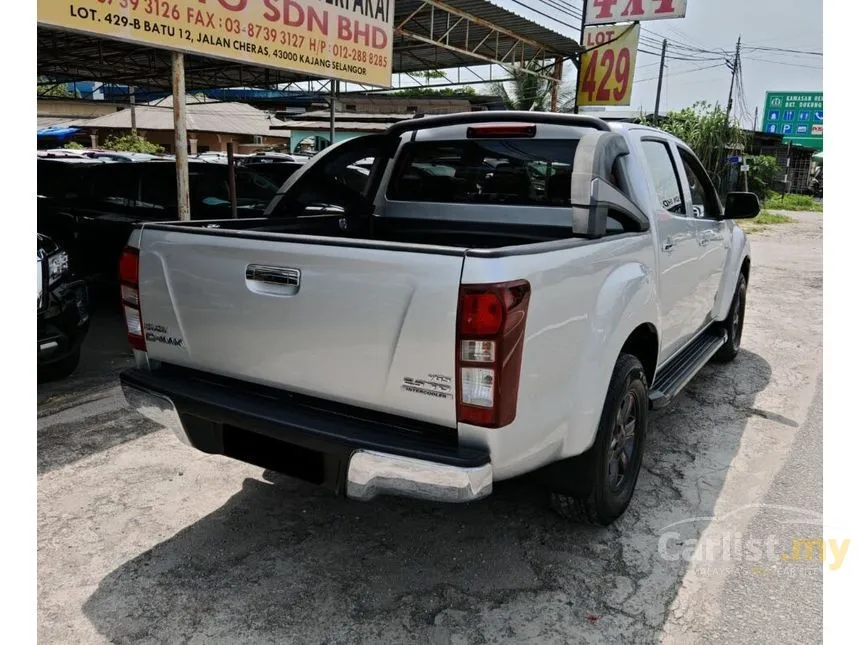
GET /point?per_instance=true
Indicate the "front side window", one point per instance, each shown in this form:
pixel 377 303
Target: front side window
pixel 701 190
pixel 533 172
pixel 664 176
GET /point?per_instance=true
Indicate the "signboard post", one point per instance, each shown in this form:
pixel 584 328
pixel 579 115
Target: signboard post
pixel 798 116
pixel 606 68
pixel 350 41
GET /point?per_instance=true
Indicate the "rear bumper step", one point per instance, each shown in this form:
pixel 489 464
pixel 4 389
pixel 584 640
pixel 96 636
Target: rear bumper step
pixel 683 367
pixel 361 456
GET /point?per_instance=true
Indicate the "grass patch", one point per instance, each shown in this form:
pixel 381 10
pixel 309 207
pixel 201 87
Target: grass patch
pixel 763 221
pixel 792 202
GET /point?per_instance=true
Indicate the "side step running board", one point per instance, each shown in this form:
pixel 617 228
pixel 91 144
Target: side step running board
pixel 683 367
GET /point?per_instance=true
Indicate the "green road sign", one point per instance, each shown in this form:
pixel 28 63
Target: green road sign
pixel 798 116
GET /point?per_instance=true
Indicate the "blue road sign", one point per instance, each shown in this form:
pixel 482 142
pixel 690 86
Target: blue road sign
pixel 773 116
pixel 803 116
pixel 771 127
pixel 802 129
pixel 786 128
pixel 819 116
pixel 788 115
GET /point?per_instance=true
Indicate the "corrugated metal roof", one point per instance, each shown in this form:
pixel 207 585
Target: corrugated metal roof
pixel 203 116
pixel 322 126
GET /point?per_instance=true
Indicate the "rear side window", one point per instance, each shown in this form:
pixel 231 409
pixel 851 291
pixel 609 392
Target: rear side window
pixel 664 176
pixel 533 172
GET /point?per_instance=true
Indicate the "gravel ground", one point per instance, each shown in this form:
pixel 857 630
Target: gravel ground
pixel 142 539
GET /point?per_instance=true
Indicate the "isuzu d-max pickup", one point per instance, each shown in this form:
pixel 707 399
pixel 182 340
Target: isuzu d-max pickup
pixel 506 293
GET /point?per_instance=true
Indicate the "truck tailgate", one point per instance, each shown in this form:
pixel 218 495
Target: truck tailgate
pixel 366 326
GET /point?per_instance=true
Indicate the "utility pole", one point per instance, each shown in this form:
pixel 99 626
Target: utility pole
pixel 331 106
pixel 180 137
pixel 133 114
pixel 660 81
pixel 732 85
pixel 578 59
pixel 755 120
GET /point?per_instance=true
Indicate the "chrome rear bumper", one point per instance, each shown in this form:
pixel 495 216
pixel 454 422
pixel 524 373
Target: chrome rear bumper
pixel 374 473
pixel 369 473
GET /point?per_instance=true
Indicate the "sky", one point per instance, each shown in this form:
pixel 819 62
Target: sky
pixel 713 25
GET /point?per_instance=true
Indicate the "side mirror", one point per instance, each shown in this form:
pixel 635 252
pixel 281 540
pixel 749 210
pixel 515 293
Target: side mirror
pixel 741 206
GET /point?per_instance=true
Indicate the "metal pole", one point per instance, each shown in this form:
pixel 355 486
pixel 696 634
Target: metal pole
pixel 231 181
pixel 556 74
pixel 133 113
pixel 579 57
pixel 183 205
pixel 755 121
pixel 660 81
pixel 732 84
pixel 333 86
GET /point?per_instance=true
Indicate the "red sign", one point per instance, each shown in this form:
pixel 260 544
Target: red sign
pixel 603 12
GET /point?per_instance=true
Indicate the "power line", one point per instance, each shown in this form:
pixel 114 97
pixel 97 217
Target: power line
pixel 687 71
pixel 779 62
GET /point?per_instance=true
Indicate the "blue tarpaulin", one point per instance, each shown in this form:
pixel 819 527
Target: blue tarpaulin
pixel 57 131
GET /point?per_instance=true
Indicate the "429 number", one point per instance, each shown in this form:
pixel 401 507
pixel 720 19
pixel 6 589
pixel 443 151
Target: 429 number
pixel 607 76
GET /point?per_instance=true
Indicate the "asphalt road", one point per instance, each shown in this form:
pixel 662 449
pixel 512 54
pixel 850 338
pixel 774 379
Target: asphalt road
pixel 142 539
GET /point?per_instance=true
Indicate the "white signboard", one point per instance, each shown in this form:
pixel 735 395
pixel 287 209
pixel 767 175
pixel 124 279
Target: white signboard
pixel 602 12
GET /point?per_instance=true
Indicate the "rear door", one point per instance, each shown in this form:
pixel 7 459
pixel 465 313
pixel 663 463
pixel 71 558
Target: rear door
pixel 678 249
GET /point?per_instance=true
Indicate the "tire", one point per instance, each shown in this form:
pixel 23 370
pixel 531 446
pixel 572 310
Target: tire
pixel 597 486
pixel 734 324
pixel 62 368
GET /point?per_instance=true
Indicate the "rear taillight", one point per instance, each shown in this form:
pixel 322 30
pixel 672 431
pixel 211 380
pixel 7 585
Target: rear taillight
pixel 129 277
pixel 491 323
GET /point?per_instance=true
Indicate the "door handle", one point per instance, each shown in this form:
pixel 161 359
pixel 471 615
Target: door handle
pixel 668 244
pixel 273 280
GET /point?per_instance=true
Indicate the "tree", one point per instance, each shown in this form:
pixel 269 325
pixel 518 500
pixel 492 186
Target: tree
pixel 430 92
pixel 131 143
pixel 48 87
pixel 764 170
pixel 528 92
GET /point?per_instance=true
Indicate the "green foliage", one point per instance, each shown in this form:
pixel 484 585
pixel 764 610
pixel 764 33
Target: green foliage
pixel 73 145
pixel 763 221
pixel 703 128
pixel 131 143
pixel 764 170
pixel 429 92
pixel 47 87
pixel 528 92
pixel 792 202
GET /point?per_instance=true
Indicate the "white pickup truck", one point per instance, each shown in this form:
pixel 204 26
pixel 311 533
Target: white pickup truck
pixel 506 293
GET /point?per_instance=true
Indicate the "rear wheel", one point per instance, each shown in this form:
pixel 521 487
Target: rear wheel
pixel 596 487
pixel 734 324
pixel 61 368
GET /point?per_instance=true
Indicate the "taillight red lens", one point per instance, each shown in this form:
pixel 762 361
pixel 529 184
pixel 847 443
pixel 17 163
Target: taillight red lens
pixel 129 278
pixel 129 265
pixel 480 313
pixel 491 322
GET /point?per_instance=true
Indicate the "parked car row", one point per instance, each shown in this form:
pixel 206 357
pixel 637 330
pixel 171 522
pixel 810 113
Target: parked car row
pixel 92 208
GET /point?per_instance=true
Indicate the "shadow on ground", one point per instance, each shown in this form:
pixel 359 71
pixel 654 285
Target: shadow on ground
pixel 282 561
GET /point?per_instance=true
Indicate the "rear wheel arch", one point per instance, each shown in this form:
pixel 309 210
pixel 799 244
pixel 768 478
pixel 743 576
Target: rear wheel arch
pixel 745 269
pixel 644 343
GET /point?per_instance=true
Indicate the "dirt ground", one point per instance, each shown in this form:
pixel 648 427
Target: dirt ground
pixel 141 539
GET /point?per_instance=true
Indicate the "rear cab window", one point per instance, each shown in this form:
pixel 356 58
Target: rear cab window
pixel 535 172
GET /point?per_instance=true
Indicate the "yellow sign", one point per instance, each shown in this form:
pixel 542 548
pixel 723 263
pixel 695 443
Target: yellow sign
pixel 347 40
pixel 606 71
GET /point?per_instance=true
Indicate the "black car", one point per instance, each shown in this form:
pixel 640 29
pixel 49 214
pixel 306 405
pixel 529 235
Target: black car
pixel 93 209
pixel 62 311
pixel 275 171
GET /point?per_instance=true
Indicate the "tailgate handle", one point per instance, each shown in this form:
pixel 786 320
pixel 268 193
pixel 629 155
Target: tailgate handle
pixel 272 280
